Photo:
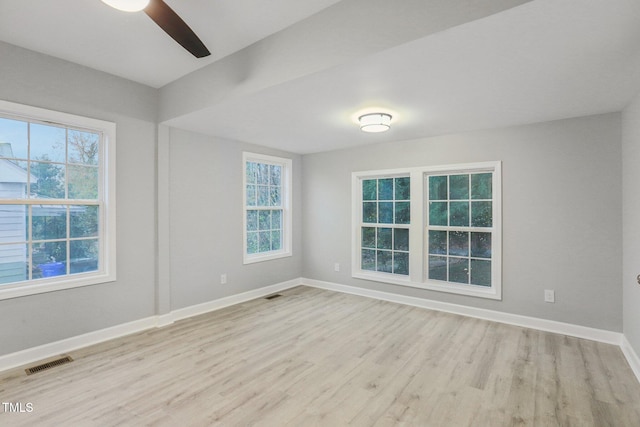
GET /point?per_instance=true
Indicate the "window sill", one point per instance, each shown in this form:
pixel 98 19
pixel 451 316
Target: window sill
pixel 36 287
pixel 251 259
pixel 468 290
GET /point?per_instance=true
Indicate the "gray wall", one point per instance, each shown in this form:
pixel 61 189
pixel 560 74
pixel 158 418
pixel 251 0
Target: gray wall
pixel 631 222
pixel 34 79
pixel 205 218
pixel 561 214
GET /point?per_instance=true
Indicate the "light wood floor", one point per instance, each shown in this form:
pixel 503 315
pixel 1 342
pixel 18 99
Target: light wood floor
pixel 313 357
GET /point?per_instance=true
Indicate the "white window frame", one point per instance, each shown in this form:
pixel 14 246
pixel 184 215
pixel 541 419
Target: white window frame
pixel 286 196
pixel 418 251
pixel 106 201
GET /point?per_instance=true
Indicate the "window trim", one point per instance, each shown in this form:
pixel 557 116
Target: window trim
pixel 106 202
pixel 286 196
pixel 418 241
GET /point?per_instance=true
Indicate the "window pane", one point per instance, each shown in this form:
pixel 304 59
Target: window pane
pixel 252 220
pixel 401 239
pixel 275 175
pixel 252 198
pixel 459 215
pixel 385 261
pixel 84 256
pixel 264 220
pixel 402 189
pixel 49 222
pixel 264 241
pixel 48 180
pixel 369 189
pixel 403 213
pixel 276 240
pixel 47 143
pixel 13 223
pixel 368 237
pixel 385 212
pixel 481 245
pixel 481 186
pixel 13 137
pixel 263 195
pixel 480 272
pixel 437 242
pixel 438 268
pixel 438 189
pixel 83 221
pixel 13 262
pixel 370 212
pixel 274 196
pixel 481 214
pixel 384 238
pixel 83 182
pixel 459 243
pixel 385 189
pixel 368 260
pixel 50 258
pixel 401 263
pixel 83 147
pixel 251 172
pixel 459 187
pixel 262 174
pixel 252 242
pixel 459 270
pixel 438 213
pixel 276 220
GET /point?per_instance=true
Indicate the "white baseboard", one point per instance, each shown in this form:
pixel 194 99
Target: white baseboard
pixel 632 356
pixel 208 306
pixel 593 334
pixel 46 351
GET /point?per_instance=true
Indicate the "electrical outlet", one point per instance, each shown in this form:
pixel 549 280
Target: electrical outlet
pixel 223 279
pixel 549 295
pixel 336 267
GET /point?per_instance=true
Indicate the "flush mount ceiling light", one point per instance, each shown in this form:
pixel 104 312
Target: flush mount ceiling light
pixel 128 5
pixel 375 122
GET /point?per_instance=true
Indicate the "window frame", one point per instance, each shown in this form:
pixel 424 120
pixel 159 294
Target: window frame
pixel 418 240
pixel 286 202
pixel 106 201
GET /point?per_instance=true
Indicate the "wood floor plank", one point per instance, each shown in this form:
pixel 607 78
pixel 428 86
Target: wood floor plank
pixel 314 357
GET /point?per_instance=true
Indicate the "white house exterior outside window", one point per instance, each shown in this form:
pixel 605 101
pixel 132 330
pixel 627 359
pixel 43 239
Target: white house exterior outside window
pixel 436 227
pixel 57 200
pixel 267 207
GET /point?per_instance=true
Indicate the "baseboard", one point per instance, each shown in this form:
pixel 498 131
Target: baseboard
pixel 34 354
pixel 218 304
pixel 593 334
pixel 30 355
pixel 632 356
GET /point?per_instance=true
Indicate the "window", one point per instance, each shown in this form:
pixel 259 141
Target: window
pixel 57 205
pixel 267 212
pixel 435 228
pixel 385 225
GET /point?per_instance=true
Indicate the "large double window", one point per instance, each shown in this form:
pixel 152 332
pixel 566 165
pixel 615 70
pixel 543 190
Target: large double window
pixel 267 212
pixel 56 200
pixel 434 227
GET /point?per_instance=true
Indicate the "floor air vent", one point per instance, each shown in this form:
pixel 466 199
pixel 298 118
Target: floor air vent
pixel 273 296
pixel 48 365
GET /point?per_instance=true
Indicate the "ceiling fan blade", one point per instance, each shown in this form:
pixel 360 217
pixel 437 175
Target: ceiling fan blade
pixel 173 25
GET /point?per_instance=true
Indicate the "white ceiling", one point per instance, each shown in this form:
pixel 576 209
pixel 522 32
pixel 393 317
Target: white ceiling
pixel 543 60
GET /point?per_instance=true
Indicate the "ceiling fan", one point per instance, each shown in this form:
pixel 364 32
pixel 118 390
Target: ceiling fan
pixel 168 20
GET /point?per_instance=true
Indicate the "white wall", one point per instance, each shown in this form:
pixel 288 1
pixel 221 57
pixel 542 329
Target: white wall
pixel 631 222
pixel 561 214
pixel 30 78
pixel 205 221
